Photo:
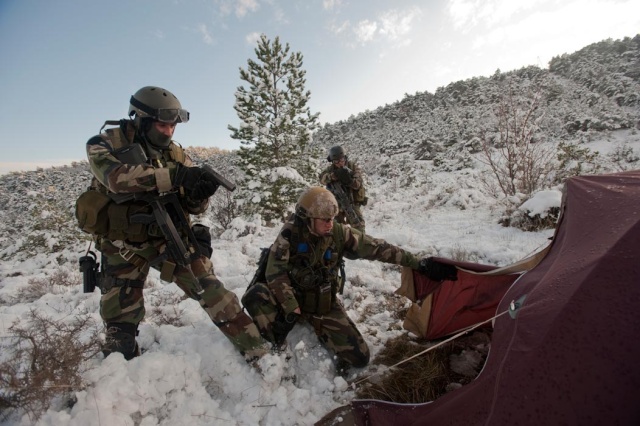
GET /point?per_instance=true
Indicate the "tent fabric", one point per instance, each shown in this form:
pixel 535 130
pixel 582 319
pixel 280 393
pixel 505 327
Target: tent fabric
pixel 442 308
pixel 569 354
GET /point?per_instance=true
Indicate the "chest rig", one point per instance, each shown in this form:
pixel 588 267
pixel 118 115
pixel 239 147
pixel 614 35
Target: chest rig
pixel 317 272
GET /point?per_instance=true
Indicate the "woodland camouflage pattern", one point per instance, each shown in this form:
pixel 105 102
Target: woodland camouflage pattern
pixel 127 260
pixel 356 183
pixel 280 295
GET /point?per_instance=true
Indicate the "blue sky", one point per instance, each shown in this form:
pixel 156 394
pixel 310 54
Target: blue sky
pixel 69 65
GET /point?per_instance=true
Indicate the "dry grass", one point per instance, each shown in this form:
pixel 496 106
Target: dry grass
pixel 424 378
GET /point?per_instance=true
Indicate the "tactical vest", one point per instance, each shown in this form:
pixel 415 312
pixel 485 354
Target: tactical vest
pixel 317 272
pixel 98 214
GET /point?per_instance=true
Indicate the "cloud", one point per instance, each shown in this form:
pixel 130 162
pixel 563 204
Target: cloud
pixel 206 35
pixel 252 38
pixel 239 7
pixel 331 4
pixel 466 14
pixel 392 25
pixel 395 25
pixel 365 31
pixel 571 26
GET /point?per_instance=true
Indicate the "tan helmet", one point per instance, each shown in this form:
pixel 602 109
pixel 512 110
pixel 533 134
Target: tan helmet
pixel 317 202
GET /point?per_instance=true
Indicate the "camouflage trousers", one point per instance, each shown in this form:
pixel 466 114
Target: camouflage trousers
pixel 343 219
pixel 125 303
pixel 335 329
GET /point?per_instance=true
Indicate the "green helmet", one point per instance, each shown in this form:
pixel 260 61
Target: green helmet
pixel 317 202
pixel 158 104
pixel 336 153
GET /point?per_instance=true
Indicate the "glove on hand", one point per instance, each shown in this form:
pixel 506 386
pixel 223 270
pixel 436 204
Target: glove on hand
pixel 198 183
pixel 205 187
pixel 343 175
pixel 203 190
pixel 437 271
pixel 187 177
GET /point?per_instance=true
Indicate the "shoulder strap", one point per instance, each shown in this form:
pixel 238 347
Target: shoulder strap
pixel 118 138
pixel 177 153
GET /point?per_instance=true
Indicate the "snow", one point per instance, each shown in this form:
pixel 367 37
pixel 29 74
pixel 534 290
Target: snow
pixel 190 374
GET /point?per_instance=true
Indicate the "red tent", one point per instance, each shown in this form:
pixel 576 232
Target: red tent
pixel 568 353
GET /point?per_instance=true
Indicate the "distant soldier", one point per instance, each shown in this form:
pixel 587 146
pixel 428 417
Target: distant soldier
pixel 139 156
pixel 344 179
pixel 302 277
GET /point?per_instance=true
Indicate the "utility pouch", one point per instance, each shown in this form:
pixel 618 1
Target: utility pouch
pixel 309 301
pixel 324 298
pixel 120 226
pixel 318 300
pixel 92 212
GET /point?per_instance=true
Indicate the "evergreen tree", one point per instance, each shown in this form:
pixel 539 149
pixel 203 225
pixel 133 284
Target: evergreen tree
pixel 275 131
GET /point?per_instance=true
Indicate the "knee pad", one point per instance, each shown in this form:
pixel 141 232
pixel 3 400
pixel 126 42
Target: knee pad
pixel 255 296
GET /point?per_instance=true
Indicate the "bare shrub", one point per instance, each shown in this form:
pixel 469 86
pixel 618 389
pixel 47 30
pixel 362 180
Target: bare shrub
pixel 44 359
pixel 522 220
pixel 164 310
pixel 624 157
pixel 224 208
pixel 518 162
pixel 38 287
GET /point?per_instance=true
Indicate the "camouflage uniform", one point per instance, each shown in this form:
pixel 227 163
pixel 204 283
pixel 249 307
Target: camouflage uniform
pixel 327 177
pixel 303 272
pixel 127 261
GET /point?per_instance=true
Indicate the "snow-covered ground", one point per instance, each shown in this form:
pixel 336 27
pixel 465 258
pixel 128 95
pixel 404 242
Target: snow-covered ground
pixel 189 373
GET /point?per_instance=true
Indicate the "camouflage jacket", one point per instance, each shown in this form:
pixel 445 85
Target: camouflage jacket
pixel 157 174
pixel 326 176
pixel 297 252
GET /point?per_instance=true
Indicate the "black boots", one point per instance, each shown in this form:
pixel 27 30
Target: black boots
pixel 121 337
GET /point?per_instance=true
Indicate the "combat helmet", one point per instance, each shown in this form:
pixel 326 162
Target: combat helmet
pixel 151 104
pixel 317 202
pixel 158 104
pixel 336 153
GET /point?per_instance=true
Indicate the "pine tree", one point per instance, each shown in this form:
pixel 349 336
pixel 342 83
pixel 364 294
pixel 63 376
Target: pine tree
pixel 275 131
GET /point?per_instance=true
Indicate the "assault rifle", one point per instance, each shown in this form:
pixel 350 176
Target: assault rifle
pixel 168 215
pixel 345 202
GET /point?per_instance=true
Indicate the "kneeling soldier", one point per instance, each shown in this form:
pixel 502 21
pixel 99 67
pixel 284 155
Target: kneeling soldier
pixel 302 277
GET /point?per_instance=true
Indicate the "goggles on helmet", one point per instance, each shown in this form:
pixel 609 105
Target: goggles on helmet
pixel 172 115
pixel 165 115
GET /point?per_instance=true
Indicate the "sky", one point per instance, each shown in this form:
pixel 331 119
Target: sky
pixel 68 66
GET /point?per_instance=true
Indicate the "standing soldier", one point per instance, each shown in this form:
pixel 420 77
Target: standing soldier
pixel 344 179
pixel 137 158
pixel 302 278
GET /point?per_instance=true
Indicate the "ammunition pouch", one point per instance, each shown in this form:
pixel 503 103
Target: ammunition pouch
pixel 99 215
pixel 317 292
pixel 359 196
pixel 92 212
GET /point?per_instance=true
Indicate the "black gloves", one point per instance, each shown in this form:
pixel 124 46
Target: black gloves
pixel 187 176
pixel 343 175
pixel 437 271
pixel 204 188
pixel 198 184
